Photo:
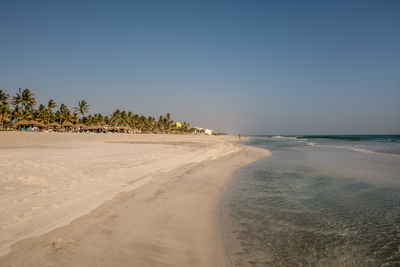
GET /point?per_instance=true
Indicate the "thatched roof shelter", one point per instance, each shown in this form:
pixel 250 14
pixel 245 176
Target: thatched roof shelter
pixel 67 124
pixel 114 129
pixel 23 122
pixel 54 124
pixel 78 126
pixel 34 123
pixel 95 127
pixel 125 129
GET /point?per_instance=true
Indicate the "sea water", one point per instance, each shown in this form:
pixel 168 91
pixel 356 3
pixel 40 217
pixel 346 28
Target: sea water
pixel 317 201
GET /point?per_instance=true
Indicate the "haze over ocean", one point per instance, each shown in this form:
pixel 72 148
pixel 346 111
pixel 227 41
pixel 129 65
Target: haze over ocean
pixel 254 67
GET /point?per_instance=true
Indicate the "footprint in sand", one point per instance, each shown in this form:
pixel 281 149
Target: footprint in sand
pixel 107 232
pixel 37 192
pixel 31 179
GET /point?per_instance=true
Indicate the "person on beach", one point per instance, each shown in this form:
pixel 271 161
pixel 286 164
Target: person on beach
pixel 239 137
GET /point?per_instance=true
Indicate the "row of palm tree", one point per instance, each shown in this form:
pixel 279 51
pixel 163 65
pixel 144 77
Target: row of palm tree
pixel 21 107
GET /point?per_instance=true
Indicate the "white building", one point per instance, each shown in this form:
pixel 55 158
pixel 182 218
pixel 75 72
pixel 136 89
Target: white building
pixel 208 131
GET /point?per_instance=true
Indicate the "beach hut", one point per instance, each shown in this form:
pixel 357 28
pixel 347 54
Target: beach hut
pixel 21 124
pixel 100 128
pixel 4 123
pixel 54 126
pixel 109 129
pixel 124 129
pixel 67 126
pixel 128 129
pixel 90 128
pixel 33 125
pixel 79 127
pixel 95 129
pixel 114 129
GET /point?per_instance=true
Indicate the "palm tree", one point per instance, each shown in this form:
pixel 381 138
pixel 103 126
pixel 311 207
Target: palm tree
pixel 57 117
pixel 150 124
pixel 5 112
pixel 97 119
pixel 4 97
pixel 168 122
pixel 88 120
pixel 116 117
pixel 106 120
pixel 24 98
pixel 160 124
pixel 22 114
pixel 82 108
pixel 50 105
pixel 42 114
pixel 63 108
pixel 65 115
pixel 124 118
pixel 186 126
pixel 135 121
pixel 4 108
pixel 142 123
pixel 69 117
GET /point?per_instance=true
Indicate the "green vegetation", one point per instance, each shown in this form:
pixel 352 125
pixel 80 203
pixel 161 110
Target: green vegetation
pixel 20 111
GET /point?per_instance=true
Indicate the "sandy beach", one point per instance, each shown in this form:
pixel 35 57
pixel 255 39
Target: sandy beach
pixel 114 199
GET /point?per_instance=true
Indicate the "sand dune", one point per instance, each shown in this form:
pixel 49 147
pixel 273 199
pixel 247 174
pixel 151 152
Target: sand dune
pixel 172 185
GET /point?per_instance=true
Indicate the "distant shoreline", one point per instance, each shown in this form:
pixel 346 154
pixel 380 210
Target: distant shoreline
pixel 18 112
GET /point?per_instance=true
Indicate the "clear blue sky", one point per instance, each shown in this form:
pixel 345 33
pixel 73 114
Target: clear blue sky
pixel 254 67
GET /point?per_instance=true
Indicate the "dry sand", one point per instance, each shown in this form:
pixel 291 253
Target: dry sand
pixel 156 198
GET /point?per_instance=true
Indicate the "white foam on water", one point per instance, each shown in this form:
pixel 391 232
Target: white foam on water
pixel 355 149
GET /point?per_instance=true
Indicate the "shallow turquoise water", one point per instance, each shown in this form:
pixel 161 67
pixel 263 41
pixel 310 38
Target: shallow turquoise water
pixel 316 206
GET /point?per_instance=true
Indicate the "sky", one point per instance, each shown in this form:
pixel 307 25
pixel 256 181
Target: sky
pixel 249 67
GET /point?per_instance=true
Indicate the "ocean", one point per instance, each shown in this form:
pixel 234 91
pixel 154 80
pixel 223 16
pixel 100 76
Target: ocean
pixel 317 201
